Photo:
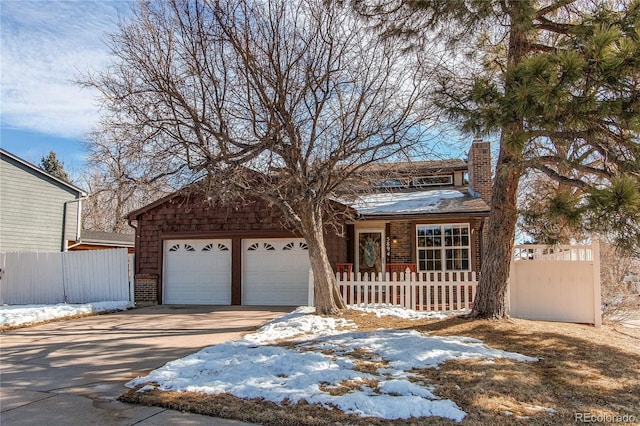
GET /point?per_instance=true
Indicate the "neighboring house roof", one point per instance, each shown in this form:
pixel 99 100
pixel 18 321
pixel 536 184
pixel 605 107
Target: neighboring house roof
pixel 427 166
pixel 417 203
pixel 44 174
pixel 107 238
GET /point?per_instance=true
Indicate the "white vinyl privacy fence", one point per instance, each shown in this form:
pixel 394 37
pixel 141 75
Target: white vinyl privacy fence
pixel 557 283
pixel 69 277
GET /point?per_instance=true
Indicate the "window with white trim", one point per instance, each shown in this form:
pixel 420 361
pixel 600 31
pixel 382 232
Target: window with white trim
pixel 444 247
pixel 436 180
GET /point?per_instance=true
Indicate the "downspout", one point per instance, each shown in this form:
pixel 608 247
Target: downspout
pixel 136 256
pixel 136 246
pixel 65 242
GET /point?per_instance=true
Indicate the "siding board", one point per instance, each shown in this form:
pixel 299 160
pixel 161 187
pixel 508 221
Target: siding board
pixel 32 209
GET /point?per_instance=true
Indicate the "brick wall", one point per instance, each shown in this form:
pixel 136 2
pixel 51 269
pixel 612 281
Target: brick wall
pixel 146 289
pixel 401 250
pixel 480 169
pixel 404 250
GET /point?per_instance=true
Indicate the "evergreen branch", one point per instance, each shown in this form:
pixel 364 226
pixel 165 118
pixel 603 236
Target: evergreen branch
pixel 553 7
pixel 554 27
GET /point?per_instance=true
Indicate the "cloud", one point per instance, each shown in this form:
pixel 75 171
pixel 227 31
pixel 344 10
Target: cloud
pixel 45 46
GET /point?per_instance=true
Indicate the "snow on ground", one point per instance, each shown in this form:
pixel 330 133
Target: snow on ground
pixel 326 355
pixel 404 313
pixel 15 315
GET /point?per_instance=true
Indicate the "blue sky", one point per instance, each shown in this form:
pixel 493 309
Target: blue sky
pixel 44 46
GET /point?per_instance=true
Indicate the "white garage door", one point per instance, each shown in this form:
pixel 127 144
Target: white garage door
pixel 275 271
pixel 197 272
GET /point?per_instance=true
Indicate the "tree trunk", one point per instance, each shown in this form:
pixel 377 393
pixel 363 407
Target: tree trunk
pixel 490 300
pixel 328 299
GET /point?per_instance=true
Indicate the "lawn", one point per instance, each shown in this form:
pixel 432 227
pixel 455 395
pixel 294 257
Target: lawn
pixel 364 369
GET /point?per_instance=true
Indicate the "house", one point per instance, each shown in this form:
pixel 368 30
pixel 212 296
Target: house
pixel 98 240
pixel 38 212
pixel 428 216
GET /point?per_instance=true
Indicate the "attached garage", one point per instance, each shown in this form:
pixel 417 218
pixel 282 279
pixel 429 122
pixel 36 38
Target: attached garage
pixel 194 250
pixel 275 271
pixel 197 272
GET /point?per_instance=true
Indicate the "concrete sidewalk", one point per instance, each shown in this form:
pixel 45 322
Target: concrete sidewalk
pixel 71 372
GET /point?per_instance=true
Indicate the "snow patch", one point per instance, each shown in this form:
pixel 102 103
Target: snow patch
pixel 324 357
pixel 404 313
pixel 15 315
pixel 402 202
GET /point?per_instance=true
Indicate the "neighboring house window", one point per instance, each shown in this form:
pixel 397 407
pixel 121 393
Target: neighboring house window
pixel 444 247
pixel 439 180
pixel 393 183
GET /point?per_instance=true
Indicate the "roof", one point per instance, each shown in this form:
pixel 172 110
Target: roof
pixel 109 238
pixel 417 203
pixel 134 214
pixel 46 175
pixel 426 166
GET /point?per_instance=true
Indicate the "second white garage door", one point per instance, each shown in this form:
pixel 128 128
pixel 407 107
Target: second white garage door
pixel 275 272
pixel 197 272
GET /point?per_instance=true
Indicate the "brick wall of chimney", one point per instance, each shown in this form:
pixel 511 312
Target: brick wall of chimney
pixel 480 169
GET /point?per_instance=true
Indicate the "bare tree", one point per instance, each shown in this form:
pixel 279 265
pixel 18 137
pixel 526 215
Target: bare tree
pixel 119 178
pixel 275 99
pixel 620 297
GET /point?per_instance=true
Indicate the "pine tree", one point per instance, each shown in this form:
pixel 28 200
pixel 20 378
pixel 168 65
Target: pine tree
pixel 53 166
pixel 559 82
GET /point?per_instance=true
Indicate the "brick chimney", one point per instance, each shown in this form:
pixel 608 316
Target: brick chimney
pixel 479 163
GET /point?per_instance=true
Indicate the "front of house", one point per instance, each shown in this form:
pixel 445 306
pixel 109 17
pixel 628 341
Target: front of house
pixel 427 216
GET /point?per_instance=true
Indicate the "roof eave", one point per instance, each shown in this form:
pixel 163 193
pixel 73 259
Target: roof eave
pixel 81 192
pixel 424 215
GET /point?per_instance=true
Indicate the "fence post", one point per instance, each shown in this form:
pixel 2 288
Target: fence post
pixel 65 297
pixel 132 273
pixel 408 276
pixel 511 281
pixel 597 295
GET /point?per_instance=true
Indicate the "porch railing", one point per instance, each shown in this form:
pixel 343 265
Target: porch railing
pixel 422 291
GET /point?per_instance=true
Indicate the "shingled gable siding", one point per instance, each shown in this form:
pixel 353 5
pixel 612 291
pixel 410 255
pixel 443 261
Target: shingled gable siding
pixel 194 218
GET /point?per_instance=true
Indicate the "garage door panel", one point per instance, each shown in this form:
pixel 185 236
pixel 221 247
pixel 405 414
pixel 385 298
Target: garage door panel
pixel 275 271
pixel 197 272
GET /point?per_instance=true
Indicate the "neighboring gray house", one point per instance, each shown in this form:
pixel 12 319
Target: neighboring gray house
pixel 38 212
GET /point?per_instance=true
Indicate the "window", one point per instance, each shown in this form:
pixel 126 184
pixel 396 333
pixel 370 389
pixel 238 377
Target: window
pixel 443 247
pixel 439 180
pixel 393 183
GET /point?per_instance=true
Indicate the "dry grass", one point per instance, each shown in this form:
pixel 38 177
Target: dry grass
pixel 581 369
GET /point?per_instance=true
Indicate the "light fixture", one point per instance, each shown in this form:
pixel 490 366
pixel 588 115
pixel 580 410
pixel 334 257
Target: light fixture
pixel 394 239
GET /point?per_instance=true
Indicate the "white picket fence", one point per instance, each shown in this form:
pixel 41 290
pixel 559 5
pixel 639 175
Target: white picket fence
pixel 71 277
pixel 424 291
pixel 550 283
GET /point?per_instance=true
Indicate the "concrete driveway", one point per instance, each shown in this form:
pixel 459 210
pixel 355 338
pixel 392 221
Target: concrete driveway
pixel 71 372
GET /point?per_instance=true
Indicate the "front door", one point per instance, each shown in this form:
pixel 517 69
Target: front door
pixel 370 250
